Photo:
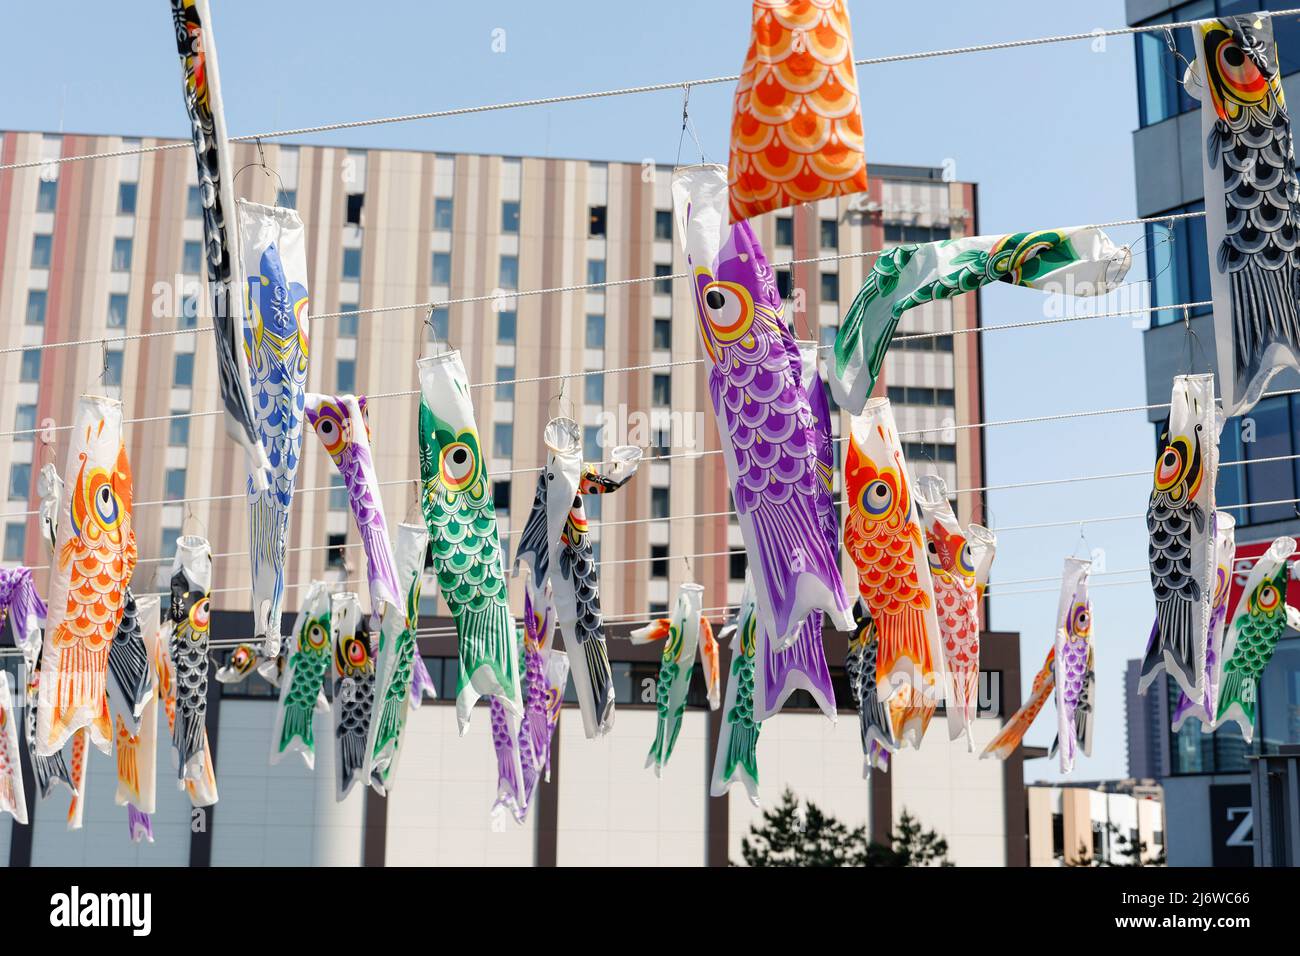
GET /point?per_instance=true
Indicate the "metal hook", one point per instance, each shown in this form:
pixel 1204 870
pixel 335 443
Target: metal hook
pixel 432 331
pixel 687 125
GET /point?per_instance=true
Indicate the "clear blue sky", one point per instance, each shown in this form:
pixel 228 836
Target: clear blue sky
pixel 1044 131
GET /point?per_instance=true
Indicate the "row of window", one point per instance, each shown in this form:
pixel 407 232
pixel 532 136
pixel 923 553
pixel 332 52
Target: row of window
pixel 920 395
pixel 1270 430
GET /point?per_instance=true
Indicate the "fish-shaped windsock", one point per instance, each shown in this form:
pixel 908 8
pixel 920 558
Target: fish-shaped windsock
pixel 736 759
pixel 681 635
pixel 79 765
pixel 508 744
pixel 13 798
pixel 136 730
pixel 456 499
pixel 50 488
pixel 186 628
pixel 764 420
pixel 242 661
pixel 1079 260
pixel 353 691
pixel 309 652
pixel 197 48
pixel 1181 542
pixel 395 663
pixel 342 426
pixel 130 665
pixel 421 683
pixel 1075 672
pixel 1257 623
pixel 556 547
pixel 202 790
pixel 275 344
pixel 956 598
pixel 796 128
pixel 1205 707
pixel 710 664
pixel 874 725
pixel 1252 203
pixel 883 536
pixel 91 568
pixel 1013 731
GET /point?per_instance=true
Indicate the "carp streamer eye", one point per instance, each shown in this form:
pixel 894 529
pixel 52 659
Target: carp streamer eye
pixel 877 498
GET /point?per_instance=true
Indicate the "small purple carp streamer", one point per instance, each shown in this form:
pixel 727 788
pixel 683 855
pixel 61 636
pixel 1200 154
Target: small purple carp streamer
pixel 546 671
pixel 139 824
pixel 197 47
pixel 507 741
pixel 422 685
pixel 275 346
pixel 765 423
pixel 1205 707
pixel 353 691
pixel 341 425
pixel 1076 676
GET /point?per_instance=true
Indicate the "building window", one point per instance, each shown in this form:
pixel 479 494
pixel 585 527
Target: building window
pixel 47 195
pixel 595 332
pixel 784 231
pixel 663 224
pixel 510 217
pixel 24 419
pixel 827 335
pixel 345 375
pixel 1179 263
pixel 29 369
pixel 42 251
pixel 830 234
pixel 287 198
pixel 1160 90
pixel 20 480
pixel 663 333
pixel 591 446
pixel 663 286
pixel 15 541
pixel 501 496
pixel 356 202
pixel 737 564
pixel 596 221
pixel 922 395
pixel 442 215
pixel 593 389
pixel 174 484
pixel 183 370
pixel 928 343
pixel 506 322
pixel 503 440
pixel 178 430
pixel 661 390
pixel 929 451
pixel 334 551
pixel 659 502
pixel 441 268
pixel 126 199
pixel 122 255
pixel 113 360
pixel 508 275
pixel 193 203
pixel 658 560
pixel 36 300
pixel 167 541
pixel 441 322
pixel 505 389
pixel 595 271
pixel 192 257
pixel 189 317
pixel 338 494
pixel 117 311
pixel 830 287
pixel 348 320
pixel 784 283
pixel 352 264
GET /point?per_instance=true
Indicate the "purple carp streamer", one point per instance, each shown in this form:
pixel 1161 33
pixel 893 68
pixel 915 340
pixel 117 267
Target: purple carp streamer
pixel 275 346
pixel 353 691
pixel 1181 548
pixel 736 759
pixel 1252 204
pixel 508 742
pixel 395 663
pixel 13 798
pixel 341 425
pixel 308 655
pixel 202 89
pixel 1075 673
pixel 457 502
pixel 556 547
pixel 1258 622
pixel 1205 707
pixel 764 420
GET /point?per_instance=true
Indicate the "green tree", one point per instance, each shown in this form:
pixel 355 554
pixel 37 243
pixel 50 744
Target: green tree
pixel 1124 851
pixel 795 835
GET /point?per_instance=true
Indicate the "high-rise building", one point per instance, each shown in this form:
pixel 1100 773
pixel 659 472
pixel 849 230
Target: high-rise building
pixel 1207 772
pixel 107 255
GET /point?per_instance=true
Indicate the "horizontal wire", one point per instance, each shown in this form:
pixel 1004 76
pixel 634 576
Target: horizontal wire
pixel 500 295
pixel 632 90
